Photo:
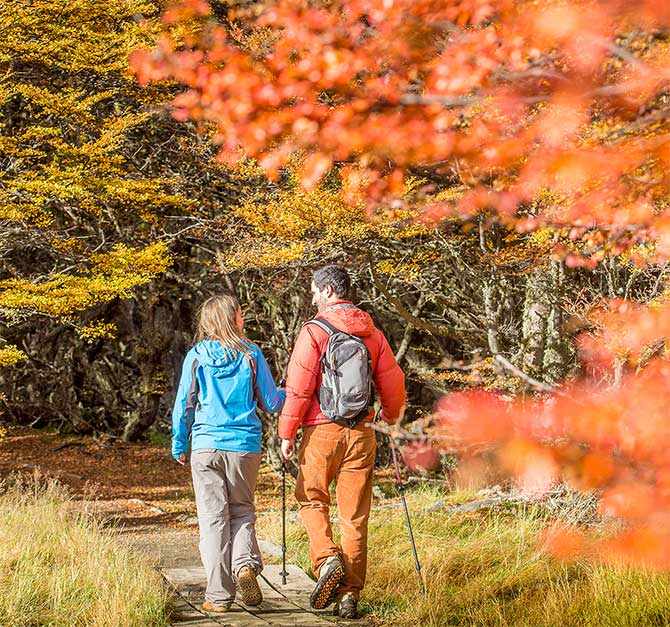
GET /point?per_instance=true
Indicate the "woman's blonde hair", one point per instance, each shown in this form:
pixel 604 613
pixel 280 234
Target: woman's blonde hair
pixel 217 320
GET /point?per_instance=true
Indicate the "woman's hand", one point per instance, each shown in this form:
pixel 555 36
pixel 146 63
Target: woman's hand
pixel 181 459
pixel 287 449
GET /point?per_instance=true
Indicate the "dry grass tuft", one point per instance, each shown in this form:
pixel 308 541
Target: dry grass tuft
pixel 489 568
pixel 60 568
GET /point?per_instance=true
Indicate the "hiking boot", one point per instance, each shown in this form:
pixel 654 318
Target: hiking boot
pixel 331 574
pixel 347 606
pixel 212 608
pixel 250 591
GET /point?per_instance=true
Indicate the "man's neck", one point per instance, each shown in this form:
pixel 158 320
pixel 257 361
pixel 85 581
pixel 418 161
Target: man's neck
pixel 333 301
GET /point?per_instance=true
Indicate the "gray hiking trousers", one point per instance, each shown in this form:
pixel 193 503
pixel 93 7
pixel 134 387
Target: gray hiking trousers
pixel 224 483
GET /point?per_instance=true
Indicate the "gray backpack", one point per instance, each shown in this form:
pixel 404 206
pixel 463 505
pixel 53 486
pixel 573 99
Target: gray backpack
pixel 345 396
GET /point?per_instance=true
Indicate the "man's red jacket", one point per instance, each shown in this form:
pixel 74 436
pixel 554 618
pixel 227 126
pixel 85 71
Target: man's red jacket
pixel 303 379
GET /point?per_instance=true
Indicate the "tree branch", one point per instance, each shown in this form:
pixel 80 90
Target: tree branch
pixel 402 311
pixel 531 381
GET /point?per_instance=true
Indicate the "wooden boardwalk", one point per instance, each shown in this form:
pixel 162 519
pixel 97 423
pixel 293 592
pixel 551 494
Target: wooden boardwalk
pixel 282 606
pixel 175 552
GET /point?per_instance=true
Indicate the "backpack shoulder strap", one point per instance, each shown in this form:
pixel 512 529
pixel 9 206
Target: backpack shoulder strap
pixel 323 324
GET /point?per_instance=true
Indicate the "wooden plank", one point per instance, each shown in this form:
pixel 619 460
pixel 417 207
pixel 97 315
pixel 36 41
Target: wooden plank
pixel 202 622
pixel 278 609
pixel 185 576
pixel 189 585
pixel 279 606
pixel 298 587
pixel 183 611
pixel 297 580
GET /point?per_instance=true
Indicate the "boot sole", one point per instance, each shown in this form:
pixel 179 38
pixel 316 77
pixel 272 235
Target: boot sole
pixel 324 592
pixel 250 591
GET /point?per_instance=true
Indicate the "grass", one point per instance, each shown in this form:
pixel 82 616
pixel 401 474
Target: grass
pixel 59 568
pixel 487 568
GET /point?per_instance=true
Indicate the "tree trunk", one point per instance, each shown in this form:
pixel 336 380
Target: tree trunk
pixel 545 353
pixel 156 340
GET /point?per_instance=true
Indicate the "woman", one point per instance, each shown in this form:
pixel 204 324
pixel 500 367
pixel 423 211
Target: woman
pixel 224 378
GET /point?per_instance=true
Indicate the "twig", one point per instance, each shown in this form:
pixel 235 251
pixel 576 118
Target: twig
pixel 531 381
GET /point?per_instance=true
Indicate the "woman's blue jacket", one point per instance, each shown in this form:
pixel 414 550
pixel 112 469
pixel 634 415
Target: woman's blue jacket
pixel 217 398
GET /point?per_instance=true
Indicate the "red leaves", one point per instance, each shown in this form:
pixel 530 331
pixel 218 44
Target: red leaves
pixel 421 455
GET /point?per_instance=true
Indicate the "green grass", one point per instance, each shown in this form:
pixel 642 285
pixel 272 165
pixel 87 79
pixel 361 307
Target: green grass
pixel 488 568
pixel 59 568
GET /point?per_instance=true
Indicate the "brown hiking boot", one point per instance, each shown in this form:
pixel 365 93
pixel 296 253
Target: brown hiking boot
pixel 347 606
pixel 212 608
pixel 331 574
pixel 250 591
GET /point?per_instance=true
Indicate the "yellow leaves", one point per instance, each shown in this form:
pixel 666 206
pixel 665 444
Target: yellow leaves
pixel 542 238
pixel 41 31
pixel 292 213
pixel 264 254
pixel 30 143
pixel 30 214
pixel 294 224
pixel 69 244
pixel 97 330
pixel 10 355
pixel 408 267
pixel 157 387
pixel 89 173
pixel 661 300
pixel 114 275
pixel 67 102
pixel 146 262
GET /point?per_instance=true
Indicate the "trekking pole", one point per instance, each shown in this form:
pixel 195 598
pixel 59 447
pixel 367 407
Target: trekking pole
pixel 401 489
pixel 283 572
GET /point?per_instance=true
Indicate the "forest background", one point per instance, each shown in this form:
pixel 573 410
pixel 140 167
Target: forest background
pixel 508 198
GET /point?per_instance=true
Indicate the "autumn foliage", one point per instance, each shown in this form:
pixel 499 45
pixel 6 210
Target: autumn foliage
pixel 543 115
pixel 552 101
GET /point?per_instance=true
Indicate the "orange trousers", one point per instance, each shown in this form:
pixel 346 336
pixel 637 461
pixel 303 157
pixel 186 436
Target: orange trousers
pixel 330 453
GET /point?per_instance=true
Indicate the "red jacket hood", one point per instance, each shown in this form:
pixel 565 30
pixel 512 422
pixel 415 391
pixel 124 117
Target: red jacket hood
pixel 348 319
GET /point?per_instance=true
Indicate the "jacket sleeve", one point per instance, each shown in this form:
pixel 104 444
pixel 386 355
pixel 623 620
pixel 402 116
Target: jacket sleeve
pixel 267 395
pixel 303 369
pixel 390 383
pixel 183 412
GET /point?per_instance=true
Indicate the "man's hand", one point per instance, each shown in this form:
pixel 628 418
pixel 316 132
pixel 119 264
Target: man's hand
pixel 287 449
pixel 181 459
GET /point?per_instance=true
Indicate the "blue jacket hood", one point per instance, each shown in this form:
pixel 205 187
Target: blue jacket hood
pixel 219 362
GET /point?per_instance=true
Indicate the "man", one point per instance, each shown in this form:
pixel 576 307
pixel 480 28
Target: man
pixel 329 451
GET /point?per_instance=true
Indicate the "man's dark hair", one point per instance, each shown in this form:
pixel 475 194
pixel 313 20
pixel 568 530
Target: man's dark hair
pixel 335 276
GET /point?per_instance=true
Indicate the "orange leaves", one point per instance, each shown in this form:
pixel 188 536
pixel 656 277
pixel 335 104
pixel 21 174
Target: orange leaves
pixel 615 440
pixel 455 413
pixel 492 87
pixel 186 10
pixel 627 327
pixel 579 30
pixel 316 165
pixel 386 85
pixel 533 466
